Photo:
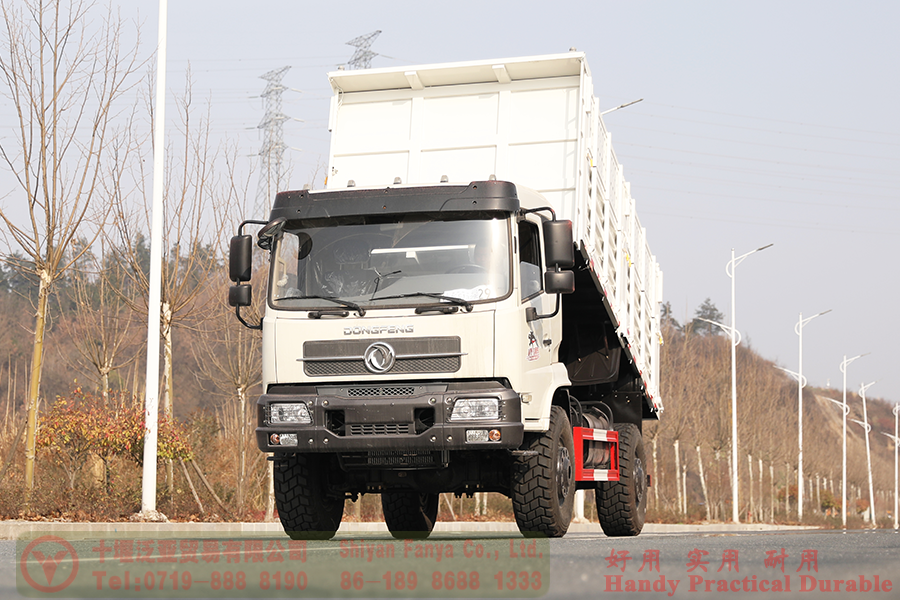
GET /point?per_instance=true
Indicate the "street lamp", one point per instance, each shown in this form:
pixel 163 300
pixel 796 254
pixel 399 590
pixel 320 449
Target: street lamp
pixel 896 438
pixel 844 364
pixel 868 428
pixel 606 112
pixel 729 270
pixel 798 329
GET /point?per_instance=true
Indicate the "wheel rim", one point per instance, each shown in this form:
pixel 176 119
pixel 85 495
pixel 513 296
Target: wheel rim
pixel 640 481
pixel 563 473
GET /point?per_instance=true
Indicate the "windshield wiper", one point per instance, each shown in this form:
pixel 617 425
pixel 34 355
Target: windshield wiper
pixel 451 299
pixel 351 305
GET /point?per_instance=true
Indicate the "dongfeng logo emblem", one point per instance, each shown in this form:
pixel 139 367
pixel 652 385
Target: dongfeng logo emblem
pixel 379 357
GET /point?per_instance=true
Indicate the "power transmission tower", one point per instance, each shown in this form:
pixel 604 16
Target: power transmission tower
pixel 273 146
pixel 362 58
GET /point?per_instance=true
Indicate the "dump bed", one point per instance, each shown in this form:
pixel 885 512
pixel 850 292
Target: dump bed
pixel 533 121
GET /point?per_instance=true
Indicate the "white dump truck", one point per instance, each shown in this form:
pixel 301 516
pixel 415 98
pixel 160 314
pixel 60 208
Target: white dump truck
pixel 469 306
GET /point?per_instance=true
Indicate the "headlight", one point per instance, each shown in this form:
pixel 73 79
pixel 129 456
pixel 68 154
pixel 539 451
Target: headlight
pixel 467 409
pixel 280 414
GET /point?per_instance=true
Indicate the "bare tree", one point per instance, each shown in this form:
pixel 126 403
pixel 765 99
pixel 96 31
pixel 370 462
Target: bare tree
pixel 63 78
pixel 100 327
pixel 188 247
pixel 189 256
pixel 228 354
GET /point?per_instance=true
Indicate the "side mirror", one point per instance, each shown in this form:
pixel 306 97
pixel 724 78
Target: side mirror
pixel 239 295
pixel 240 258
pixel 559 282
pixel 558 244
pixel 270 232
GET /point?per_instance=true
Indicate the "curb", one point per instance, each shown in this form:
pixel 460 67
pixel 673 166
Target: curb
pixel 11 530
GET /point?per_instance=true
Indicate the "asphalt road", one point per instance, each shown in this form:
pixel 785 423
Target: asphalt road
pixel 711 564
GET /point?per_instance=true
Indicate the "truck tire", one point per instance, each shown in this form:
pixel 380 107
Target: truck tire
pixel 305 510
pixel 543 486
pixel 409 515
pixel 622 505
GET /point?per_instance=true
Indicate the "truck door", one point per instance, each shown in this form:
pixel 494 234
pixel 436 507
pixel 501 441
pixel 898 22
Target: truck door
pixel 541 337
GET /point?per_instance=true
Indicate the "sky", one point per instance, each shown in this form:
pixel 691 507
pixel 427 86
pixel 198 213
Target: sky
pixel 761 123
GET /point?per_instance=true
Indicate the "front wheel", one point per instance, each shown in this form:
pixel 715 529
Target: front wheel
pixel 543 487
pixel 622 505
pixel 409 515
pixel 306 510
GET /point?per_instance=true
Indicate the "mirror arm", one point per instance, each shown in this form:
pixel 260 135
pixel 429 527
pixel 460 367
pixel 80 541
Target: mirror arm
pixel 531 313
pixel 237 312
pixel 250 222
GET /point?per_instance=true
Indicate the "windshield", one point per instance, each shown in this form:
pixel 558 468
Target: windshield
pixel 390 264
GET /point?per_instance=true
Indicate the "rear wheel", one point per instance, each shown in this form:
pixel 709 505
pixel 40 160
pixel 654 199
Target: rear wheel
pixel 409 515
pixel 306 510
pixel 622 505
pixel 543 487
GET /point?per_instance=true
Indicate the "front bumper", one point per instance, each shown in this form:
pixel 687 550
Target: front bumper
pixel 400 417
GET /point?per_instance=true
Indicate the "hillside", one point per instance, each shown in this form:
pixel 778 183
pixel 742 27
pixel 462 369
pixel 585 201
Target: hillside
pixel 696 428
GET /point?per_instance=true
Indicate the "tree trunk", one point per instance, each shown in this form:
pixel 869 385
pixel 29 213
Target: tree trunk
pixel 655 475
pixel 104 386
pixel 168 388
pixel 449 505
pixel 761 511
pixel 772 490
pixel 242 446
pixel 579 506
pixel 818 506
pixel 37 361
pixel 787 491
pixel 703 482
pixel 750 487
pixel 210 489
pixel 677 476
pixel 193 489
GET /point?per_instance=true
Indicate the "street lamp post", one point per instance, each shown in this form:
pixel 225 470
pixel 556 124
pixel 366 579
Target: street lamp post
pixel 798 329
pixel 896 438
pixel 729 270
pixel 844 365
pixel 868 428
pixel 151 393
pixel 846 410
pixel 735 337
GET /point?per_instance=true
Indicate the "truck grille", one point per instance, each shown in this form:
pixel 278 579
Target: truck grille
pixel 380 429
pixel 414 355
pixel 371 392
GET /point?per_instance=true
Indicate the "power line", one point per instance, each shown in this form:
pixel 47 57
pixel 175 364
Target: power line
pixel 757 118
